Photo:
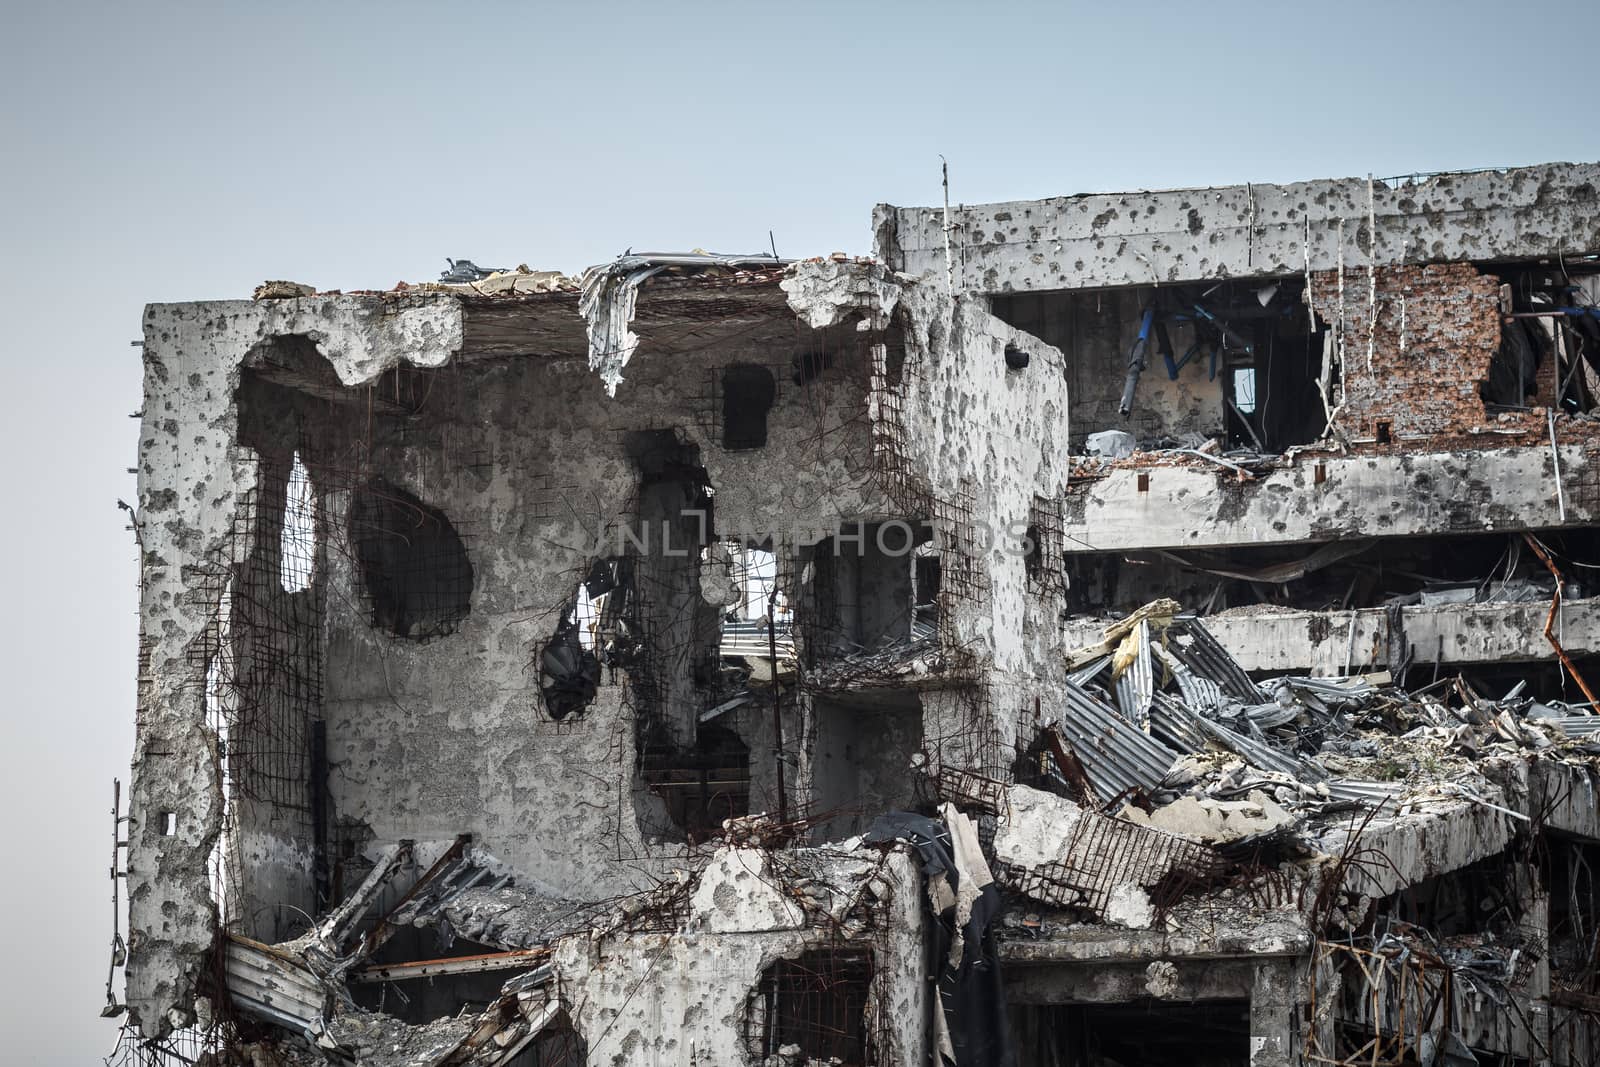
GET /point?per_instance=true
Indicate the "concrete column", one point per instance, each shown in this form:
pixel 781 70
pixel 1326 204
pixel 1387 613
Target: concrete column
pixel 1272 1007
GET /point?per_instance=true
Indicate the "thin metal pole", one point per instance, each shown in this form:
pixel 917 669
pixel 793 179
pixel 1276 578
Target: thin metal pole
pixel 777 709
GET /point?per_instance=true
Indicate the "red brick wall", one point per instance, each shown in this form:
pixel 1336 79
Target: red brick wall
pixel 1452 330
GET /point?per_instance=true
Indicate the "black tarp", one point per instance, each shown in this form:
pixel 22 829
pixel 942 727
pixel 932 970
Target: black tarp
pixel 971 995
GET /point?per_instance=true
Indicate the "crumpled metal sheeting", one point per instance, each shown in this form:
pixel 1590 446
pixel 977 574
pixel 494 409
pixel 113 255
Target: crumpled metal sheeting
pixel 749 637
pixel 1327 694
pixel 271 985
pixel 1136 685
pixel 1205 655
pixel 611 291
pixel 431 897
pixel 1259 754
pixel 1117 756
pixel 1576 725
pixel 1361 791
pixel 1084 675
pixel 1200 693
pixel 1173 724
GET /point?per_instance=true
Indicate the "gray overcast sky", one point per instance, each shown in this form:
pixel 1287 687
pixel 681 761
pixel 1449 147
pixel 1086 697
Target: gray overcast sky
pixel 161 152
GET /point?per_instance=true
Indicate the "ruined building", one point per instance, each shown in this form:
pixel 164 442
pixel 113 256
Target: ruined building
pixel 1134 629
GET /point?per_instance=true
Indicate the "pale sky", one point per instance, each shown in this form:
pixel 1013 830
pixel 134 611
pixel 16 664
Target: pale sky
pixel 164 152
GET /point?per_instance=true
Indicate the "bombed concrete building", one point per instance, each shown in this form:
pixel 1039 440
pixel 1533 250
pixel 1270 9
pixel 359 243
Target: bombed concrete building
pixel 1147 628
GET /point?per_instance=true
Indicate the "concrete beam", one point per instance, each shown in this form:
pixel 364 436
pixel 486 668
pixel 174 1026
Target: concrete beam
pixel 1443 837
pixel 1119 983
pixel 1334 642
pixel 1495 489
pixel 1249 933
pixel 1136 238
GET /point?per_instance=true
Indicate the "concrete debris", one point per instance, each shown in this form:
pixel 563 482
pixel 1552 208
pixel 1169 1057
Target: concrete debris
pixel 282 291
pixel 1216 821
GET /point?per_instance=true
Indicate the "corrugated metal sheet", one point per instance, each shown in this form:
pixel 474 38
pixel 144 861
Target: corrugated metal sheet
pixel 1364 792
pixel 1200 694
pixel 1205 655
pixel 1173 724
pixel 1116 755
pixel 1084 675
pixel 748 637
pixel 1137 684
pixel 272 986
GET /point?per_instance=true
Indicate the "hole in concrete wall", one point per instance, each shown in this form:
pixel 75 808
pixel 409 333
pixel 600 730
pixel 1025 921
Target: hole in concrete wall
pixel 597 628
pixel 747 646
pixel 1150 1033
pixel 861 760
pixel 809 365
pixel 569 670
pixel 169 823
pixel 875 585
pixel 1033 553
pixel 818 1002
pixel 1193 345
pixel 413 563
pixel 1551 354
pixel 748 391
pixel 1043 545
pixel 298 540
pixel 703 785
pixel 1016 358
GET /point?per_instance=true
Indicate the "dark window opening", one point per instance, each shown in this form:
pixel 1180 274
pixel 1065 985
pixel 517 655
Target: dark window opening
pixel 865 744
pixel 419 1000
pixel 1481 898
pixel 1236 360
pixel 1573 868
pixel 817 1001
pixel 1149 1033
pixel 1550 354
pixel 748 391
pixel 413 564
pixel 558 1045
pixel 1383 431
pixel 701 786
pixel 1016 358
pixel 876 587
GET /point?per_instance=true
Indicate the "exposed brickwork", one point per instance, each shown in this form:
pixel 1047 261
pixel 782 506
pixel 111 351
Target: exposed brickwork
pixel 1426 380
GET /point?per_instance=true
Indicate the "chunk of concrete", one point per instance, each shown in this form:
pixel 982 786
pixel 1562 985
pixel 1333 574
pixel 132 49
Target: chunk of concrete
pixel 738 894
